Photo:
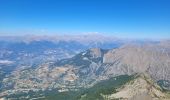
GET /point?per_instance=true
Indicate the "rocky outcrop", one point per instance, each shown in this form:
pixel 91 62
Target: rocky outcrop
pixel 141 88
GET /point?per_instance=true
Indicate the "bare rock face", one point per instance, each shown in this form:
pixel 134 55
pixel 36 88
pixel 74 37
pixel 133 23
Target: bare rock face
pixel 153 59
pixel 96 52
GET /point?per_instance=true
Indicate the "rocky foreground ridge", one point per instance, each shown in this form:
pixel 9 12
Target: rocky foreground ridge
pixel 140 88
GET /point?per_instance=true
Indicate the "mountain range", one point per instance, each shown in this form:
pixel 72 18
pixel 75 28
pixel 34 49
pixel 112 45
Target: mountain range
pixel 72 65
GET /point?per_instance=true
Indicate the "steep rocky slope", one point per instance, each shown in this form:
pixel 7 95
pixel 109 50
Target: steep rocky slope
pixel 153 59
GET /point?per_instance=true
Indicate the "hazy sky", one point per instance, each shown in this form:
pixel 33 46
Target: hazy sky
pixel 121 18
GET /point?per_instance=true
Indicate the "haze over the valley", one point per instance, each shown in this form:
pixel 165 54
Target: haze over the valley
pixel 84 50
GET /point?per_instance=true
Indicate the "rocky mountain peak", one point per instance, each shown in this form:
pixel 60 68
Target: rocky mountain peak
pixel 96 52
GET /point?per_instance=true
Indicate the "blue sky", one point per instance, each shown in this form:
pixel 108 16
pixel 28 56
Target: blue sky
pixel 120 18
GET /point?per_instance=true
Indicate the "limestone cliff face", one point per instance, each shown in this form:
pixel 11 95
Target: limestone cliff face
pixel 96 52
